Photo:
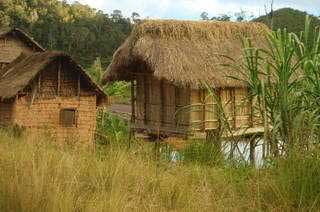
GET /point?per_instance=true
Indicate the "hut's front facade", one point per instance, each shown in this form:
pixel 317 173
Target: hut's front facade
pixel 49 93
pixel 172 63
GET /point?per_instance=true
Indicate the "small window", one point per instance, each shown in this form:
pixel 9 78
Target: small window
pixel 68 117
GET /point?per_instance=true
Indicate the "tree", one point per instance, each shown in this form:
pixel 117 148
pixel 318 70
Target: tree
pixel 223 17
pixel 135 17
pixel 291 19
pixel 76 29
pixel 243 16
pixel 116 15
pixel 204 16
pixel 96 71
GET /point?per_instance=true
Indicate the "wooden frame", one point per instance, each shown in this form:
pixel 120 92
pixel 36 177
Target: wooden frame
pixel 64 117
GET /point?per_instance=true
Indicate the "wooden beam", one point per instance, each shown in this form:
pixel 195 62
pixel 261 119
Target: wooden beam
pixel 252 150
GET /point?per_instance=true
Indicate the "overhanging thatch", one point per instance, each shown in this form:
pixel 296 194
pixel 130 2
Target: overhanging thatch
pixel 18 74
pixel 185 52
pixel 24 36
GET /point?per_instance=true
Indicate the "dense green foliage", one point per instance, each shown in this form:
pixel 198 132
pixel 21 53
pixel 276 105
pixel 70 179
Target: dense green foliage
pixel 291 19
pixel 74 28
pixel 289 92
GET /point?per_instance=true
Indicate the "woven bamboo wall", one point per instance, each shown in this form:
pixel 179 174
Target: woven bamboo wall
pixel 162 105
pixel 147 99
pixel 243 108
pixel 11 47
pixel 211 112
pixel 204 114
pixel 182 97
pixel 228 104
pixel 168 105
pixel 197 110
pixel 256 116
pixel 157 102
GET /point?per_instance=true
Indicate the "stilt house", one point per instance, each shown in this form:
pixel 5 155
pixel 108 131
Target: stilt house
pixel 47 92
pixel 170 63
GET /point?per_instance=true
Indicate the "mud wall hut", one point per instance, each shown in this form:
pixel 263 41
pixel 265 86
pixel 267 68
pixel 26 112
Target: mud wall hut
pixel 170 62
pixel 13 42
pixel 47 92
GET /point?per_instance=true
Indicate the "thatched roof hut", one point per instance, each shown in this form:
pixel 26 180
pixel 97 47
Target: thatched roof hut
pixel 169 62
pixel 48 92
pixel 185 52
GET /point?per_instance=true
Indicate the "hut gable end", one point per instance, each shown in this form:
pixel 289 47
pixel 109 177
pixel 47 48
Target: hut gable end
pixel 47 74
pixel 13 43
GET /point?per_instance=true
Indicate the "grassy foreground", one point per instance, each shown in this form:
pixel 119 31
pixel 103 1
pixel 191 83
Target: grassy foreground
pixel 37 175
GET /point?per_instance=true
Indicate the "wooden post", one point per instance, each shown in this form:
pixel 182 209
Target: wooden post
pixel 133 111
pixel 59 78
pixel 252 150
pixel 79 88
pixel 145 87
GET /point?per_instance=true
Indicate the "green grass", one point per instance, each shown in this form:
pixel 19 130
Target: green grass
pixel 39 175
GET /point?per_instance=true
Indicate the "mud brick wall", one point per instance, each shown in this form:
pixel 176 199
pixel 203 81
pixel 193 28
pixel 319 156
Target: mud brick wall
pixel 39 108
pixel 43 116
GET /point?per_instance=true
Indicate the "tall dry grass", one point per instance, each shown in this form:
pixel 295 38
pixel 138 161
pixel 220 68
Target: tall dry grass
pixel 38 175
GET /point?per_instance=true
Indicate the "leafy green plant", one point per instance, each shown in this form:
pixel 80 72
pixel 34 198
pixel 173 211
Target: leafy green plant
pixel 111 129
pixel 120 91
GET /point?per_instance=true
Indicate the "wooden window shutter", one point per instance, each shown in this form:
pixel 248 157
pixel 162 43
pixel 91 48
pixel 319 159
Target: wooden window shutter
pixel 68 117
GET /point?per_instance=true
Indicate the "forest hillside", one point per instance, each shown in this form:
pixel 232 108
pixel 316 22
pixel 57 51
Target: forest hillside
pixel 77 29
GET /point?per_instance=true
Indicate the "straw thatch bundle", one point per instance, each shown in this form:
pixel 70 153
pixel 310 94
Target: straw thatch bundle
pixel 185 52
pixel 18 74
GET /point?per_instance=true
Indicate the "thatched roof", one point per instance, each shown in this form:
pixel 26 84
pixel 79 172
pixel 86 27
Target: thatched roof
pixel 18 74
pixel 185 52
pixel 23 36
